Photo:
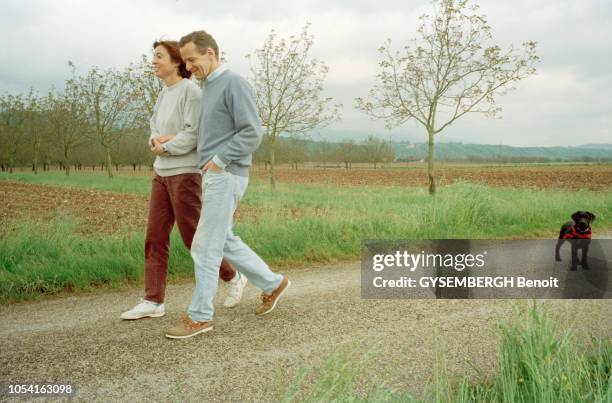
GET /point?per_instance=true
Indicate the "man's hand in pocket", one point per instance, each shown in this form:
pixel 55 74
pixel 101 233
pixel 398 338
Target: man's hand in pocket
pixel 212 166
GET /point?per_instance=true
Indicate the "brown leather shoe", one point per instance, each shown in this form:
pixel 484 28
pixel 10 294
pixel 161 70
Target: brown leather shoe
pixel 186 327
pixel 268 301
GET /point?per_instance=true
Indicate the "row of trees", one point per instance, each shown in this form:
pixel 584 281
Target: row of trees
pixel 295 151
pixel 99 114
pixel 450 70
pixel 132 151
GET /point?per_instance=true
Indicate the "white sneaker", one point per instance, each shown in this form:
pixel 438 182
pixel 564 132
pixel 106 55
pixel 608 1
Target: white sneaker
pixel 236 286
pixel 146 309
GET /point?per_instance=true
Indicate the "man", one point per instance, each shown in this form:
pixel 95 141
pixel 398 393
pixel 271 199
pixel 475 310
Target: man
pixel 229 131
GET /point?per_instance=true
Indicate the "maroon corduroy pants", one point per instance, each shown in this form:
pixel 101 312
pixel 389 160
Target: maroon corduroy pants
pixel 173 198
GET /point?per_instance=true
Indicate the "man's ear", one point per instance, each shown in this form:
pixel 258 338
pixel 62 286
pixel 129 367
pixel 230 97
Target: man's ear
pixel 591 215
pixel 213 54
pixel 575 216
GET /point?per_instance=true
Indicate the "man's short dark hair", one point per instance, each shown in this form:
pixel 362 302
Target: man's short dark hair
pixel 202 40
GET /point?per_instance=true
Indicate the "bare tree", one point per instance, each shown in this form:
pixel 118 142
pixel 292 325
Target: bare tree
pixel 450 71
pixel 377 150
pixel 323 152
pixel 12 127
pixel 108 96
pixel 262 154
pixel 34 125
pixel 131 150
pixel 295 150
pixel 288 89
pixel 348 152
pixel 67 119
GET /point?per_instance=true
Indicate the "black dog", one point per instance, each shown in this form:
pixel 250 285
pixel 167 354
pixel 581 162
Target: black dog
pixel 579 234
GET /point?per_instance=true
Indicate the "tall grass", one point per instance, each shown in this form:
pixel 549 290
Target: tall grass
pixel 536 362
pixel 334 221
pixel 39 258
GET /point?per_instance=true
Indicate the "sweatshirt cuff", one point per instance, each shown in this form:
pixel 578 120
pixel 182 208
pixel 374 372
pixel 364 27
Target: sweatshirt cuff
pixel 218 162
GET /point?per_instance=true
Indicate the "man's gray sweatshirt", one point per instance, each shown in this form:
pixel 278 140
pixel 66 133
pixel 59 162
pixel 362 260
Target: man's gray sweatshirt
pixel 229 128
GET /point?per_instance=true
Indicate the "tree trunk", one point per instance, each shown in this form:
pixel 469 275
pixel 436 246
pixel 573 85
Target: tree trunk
pixel 36 152
pixel 430 163
pixel 272 179
pixel 109 165
pixel 67 161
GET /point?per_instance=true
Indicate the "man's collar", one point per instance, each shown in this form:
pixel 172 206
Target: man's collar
pixel 216 73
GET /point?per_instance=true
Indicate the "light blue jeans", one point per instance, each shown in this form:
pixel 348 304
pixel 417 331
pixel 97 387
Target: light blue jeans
pixel 214 239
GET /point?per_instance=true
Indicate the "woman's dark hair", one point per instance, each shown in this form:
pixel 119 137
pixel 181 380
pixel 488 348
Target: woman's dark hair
pixel 175 55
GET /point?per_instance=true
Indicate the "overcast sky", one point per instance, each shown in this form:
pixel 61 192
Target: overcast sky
pixel 568 102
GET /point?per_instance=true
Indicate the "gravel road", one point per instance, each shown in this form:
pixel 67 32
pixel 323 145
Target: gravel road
pixel 81 340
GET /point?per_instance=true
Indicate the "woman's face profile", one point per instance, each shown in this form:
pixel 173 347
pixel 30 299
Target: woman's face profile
pixel 162 63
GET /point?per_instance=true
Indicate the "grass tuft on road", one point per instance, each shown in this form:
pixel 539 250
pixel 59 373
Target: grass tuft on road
pixel 536 362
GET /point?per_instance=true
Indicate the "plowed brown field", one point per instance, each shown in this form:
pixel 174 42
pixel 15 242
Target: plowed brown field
pixel 98 212
pixel 590 177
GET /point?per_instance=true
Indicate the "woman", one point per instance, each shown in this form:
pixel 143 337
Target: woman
pixel 177 185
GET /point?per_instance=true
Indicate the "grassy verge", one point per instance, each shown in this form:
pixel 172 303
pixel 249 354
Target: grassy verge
pixel 536 362
pixel 38 259
pixel 294 226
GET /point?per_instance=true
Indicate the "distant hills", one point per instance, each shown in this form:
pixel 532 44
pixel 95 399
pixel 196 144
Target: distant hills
pixel 488 152
pixel 599 146
pixel 460 152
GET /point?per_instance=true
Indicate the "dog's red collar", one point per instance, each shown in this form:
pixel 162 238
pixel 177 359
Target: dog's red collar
pixel 574 234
